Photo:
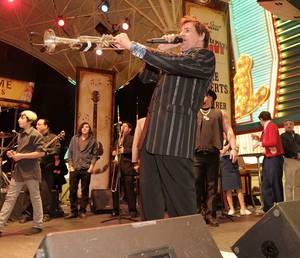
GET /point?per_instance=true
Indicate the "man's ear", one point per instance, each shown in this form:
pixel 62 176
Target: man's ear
pixel 202 36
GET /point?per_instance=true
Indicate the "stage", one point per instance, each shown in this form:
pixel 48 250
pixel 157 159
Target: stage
pixel 13 244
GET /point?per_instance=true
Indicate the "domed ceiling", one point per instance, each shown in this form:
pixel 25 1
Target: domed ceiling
pixel 148 19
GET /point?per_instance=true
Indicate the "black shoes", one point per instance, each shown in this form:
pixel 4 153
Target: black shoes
pixel 33 231
pixel 71 216
pixel 46 218
pixel 212 222
pixel 82 215
pixel 25 218
pixel 114 213
pixel 133 214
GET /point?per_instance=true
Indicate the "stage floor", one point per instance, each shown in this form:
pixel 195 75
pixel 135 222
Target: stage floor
pixel 13 244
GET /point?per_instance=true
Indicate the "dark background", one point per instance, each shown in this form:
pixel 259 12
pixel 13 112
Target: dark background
pixel 54 96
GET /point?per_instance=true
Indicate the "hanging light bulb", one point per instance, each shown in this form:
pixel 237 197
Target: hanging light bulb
pixel 125 24
pixel 60 21
pixel 99 52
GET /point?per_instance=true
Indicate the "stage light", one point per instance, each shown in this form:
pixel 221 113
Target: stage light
pixel 10 1
pixel 61 22
pixel 104 6
pixel 99 52
pixel 125 24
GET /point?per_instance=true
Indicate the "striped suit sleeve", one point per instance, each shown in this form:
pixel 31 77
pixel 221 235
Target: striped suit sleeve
pixel 199 63
pixel 150 74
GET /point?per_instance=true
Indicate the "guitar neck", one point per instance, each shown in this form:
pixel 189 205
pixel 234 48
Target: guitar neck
pixel 57 137
pixel 95 119
pixel 51 142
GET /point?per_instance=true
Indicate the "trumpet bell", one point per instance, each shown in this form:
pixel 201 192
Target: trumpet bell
pixel 49 40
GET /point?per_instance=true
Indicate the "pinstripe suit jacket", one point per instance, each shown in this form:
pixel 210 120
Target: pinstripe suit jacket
pixel 182 82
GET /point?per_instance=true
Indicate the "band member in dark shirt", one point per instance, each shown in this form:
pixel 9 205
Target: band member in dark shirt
pixel 27 172
pixel 126 167
pixel 212 123
pixel 47 161
pixel 167 143
pixel 82 156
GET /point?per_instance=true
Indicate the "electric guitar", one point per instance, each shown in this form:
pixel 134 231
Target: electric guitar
pixel 60 137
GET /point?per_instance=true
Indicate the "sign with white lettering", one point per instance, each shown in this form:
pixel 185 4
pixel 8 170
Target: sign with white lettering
pixel 217 23
pixel 15 93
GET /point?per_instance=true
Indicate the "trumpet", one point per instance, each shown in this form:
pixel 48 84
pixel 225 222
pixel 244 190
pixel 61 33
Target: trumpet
pixel 81 43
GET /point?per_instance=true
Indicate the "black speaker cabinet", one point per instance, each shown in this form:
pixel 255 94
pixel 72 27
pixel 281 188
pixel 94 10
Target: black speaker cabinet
pixel 101 200
pixel 181 237
pixel 276 235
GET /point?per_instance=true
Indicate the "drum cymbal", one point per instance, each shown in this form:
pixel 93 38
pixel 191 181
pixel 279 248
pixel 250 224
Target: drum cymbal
pixel 5 135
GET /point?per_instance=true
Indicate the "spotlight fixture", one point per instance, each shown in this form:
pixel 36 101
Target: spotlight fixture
pixel 125 24
pixel 104 6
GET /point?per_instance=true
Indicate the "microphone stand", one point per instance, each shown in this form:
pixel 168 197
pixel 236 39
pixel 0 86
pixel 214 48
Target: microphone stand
pixel 4 179
pixel 119 217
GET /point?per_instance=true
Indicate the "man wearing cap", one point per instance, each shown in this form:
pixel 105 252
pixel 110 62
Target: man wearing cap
pixel 27 172
pixel 209 141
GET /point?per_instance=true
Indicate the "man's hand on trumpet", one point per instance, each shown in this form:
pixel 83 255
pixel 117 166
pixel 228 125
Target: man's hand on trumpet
pixel 122 41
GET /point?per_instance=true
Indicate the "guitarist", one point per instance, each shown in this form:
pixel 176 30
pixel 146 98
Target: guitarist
pixel 47 183
pixel 53 151
pixel 26 171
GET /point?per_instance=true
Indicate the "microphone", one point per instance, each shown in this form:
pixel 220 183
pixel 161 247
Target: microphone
pixel 15 132
pixel 118 123
pixel 176 40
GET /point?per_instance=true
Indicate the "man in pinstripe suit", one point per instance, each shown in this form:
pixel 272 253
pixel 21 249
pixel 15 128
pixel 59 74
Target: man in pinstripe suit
pixel 168 139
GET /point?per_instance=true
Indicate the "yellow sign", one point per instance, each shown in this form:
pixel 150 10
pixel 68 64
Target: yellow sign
pixel 246 101
pixel 217 23
pixel 15 93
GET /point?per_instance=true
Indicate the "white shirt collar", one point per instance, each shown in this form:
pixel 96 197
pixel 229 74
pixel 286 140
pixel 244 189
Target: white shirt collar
pixel 266 123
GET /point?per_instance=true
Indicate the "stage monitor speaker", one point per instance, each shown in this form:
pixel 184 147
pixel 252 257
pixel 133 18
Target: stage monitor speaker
pixel 276 235
pixel 101 200
pixel 181 237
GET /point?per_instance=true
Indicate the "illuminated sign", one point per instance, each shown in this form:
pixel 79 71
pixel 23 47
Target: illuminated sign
pixel 15 93
pixel 246 100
